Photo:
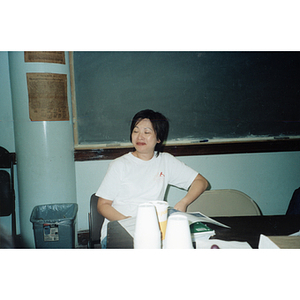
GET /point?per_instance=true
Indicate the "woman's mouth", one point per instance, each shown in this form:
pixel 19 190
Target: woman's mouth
pixel 140 143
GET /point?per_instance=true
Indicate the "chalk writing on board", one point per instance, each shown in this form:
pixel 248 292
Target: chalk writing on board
pixel 48 99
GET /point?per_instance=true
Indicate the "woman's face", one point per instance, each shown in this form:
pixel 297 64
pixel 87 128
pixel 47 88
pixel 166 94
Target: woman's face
pixel 144 137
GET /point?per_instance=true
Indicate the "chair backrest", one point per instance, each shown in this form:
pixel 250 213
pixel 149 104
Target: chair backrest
pixel 95 222
pixel 227 202
pixel 6 159
pixel 7 190
pixel 6 194
pixel 294 205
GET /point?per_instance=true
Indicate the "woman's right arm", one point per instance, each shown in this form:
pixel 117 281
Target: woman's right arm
pixel 105 208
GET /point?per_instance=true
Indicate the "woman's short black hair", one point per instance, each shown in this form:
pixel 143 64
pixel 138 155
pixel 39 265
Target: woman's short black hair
pixel 160 125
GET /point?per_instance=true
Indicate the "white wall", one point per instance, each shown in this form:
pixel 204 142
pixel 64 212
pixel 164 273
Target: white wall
pixel 269 178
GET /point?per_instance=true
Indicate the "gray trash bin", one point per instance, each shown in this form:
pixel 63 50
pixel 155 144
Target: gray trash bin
pixel 54 225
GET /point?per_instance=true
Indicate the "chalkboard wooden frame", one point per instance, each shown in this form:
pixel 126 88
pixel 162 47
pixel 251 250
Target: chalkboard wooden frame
pixel 94 152
pixel 210 148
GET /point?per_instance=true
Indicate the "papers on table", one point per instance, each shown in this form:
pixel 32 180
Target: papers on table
pixel 266 243
pixel 196 217
pixel 280 242
pixel 207 244
pixel 295 234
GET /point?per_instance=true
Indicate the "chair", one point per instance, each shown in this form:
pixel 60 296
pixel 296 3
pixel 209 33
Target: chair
pixel 221 203
pixel 294 205
pixel 7 191
pixel 95 223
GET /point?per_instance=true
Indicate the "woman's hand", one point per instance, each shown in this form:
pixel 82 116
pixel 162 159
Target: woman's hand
pixel 180 206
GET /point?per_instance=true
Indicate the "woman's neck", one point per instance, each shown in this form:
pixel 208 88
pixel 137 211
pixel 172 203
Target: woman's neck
pixel 143 156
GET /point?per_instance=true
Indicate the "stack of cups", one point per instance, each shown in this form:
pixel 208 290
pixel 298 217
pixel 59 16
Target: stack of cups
pixel 147 234
pixel 178 235
pixel 162 214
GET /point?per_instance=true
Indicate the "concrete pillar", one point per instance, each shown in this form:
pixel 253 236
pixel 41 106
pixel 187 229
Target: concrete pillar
pixel 44 149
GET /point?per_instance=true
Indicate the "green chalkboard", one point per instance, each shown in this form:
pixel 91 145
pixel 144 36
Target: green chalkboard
pixel 204 94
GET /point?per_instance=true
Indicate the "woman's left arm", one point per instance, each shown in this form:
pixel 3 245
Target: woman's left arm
pixel 198 186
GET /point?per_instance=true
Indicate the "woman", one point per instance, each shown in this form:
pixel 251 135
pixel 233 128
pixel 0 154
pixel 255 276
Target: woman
pixel 144 174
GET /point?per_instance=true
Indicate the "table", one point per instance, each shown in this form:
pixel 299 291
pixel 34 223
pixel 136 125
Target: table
pixel 244 229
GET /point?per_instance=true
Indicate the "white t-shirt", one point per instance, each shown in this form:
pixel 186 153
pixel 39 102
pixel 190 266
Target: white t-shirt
pixel 130 181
